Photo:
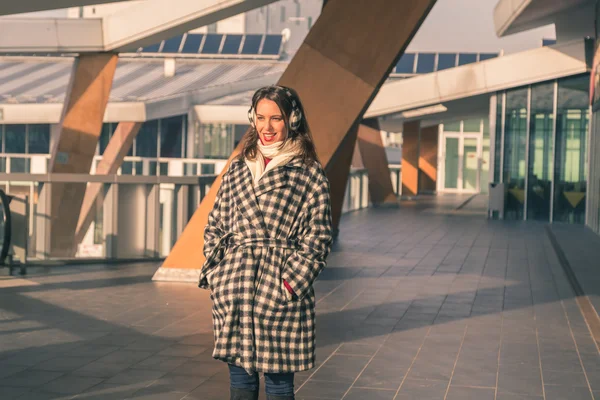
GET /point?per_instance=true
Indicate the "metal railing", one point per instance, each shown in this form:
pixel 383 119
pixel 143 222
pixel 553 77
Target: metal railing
pixel 137 217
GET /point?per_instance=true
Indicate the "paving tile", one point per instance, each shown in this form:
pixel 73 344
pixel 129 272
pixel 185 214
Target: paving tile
pixel 64 364
pixel 161 363
pixel 29 378
pixel 420 389
pixel 108 391
pixel 381 375
pixel 511 396
pixel 470 393
pixel 100 370
pixel 371 394
pixel 519 380
pixel 181 350
pixel 70 384
pixel 560 392
pixel 320 389
pixel 9 392
pixel 341 368
pixel 135 375
pixel 564 378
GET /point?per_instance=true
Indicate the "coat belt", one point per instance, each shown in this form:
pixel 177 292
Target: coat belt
pixel 231 240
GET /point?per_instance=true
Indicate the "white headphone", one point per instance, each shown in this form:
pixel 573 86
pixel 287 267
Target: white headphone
pixel 295 116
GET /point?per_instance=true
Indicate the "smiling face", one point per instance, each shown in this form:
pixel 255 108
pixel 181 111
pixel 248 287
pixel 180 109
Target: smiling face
pixel 270 125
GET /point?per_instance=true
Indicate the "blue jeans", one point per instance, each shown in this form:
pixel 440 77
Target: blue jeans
pixel 275 384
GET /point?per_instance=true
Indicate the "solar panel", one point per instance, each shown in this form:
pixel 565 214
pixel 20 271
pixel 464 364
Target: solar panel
pixel 252 44
pixel 487 56
pixel 153 48
pixel 466 58
pixel 232 44
pixel 192 43
pixel 172 45
pixel 446 60
pixel 425 63
pixel 406 64
pixel 272 45
pixel 212 44
pixel 548 42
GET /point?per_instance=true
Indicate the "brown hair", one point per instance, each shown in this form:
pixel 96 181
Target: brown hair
pixel 279 95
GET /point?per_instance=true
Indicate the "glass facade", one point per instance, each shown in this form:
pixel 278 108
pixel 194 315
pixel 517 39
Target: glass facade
pixel 571 150
pixel 539 174
pixel 541 150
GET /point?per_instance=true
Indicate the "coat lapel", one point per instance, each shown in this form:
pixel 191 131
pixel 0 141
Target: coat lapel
pixel 276 178
pixel 246 200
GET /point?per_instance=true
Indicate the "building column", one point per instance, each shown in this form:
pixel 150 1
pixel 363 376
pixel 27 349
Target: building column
pixel 119 145
pixel 381 190
pixel 428 151
pixel 338 70
pixel 75 146
pixel 410 158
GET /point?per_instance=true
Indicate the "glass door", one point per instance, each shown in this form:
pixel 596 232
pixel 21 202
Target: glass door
pixel 461 163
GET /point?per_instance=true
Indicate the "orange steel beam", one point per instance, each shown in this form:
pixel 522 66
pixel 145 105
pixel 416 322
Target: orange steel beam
pixel 373 155
pixel 410 158
pixel 73 152
pixel 119 145
pixel 337 71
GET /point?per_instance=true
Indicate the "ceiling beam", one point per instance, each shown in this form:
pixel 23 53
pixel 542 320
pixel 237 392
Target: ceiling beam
pixel 26 6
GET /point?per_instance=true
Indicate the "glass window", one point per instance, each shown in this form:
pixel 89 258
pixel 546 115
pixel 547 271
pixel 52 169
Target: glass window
pixel 38 136
pixel 425 63
pixel 1 138
pixel 272 44
pixel 172 45
pixel 15 139
pixel 171 136
pixel 484 178
pixel 515 144
pixel 451 163
pixel 541 165
pixel 466 58
pixel 571 133
pixel 218 140
pixel 406 64
pixel 452 127
pixel 212 44
pixel 192 43
pixel 146 143
pixel 498 137
pixel 446 60
pixel 472 125
pixel 251 44
pixel 282 13
pixel 105 135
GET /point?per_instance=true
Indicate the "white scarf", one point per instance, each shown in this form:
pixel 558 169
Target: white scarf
pixel 279 156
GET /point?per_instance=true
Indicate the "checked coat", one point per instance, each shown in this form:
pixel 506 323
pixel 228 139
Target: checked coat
pixel 256 237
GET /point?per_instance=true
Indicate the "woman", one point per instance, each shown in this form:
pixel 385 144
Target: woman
pixel 266 241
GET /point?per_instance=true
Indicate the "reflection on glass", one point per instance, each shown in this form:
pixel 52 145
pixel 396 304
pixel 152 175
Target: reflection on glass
pixel 498 138
pixel 14 139
pixel 218 140
pixel 19 165
pixel 452 127
pixel 484 178
pixel 171 136
pixel 515 138
pixel 540 152
pixel 571 131
pixel 472 125
pixel 146 143
pixel 451 164
pixel 470 164
pixel 105 135
pixel 38 137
